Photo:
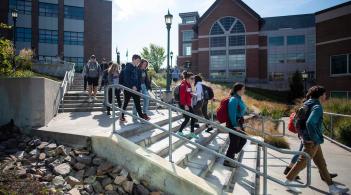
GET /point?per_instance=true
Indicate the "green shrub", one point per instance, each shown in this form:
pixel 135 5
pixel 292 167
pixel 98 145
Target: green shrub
pixel 279 142
pixel 343 132
pixel 6 56
pixel 275 113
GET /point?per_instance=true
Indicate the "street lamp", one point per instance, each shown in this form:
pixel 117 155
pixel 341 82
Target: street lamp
pixel 118 55
pixel 304 75
pixel 14 15
pixel 168 21
pixel 171 58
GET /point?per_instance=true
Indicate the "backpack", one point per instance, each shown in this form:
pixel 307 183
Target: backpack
pixel 222 111
pixel 298 119
pixel 93 70
pixel 207 92
pixel 176 93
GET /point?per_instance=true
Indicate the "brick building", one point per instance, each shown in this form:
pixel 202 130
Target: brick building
pixel 231 42
pixel 333 45
pixel 70 29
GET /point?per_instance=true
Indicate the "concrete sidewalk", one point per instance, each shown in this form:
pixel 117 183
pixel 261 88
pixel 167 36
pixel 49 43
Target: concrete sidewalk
pixel 338 161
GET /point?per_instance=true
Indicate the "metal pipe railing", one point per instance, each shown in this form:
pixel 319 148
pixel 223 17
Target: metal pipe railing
pixel 65 85
pixel 262 144
pixel 331 122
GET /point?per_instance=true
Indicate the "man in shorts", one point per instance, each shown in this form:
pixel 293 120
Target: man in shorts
pixel 93 72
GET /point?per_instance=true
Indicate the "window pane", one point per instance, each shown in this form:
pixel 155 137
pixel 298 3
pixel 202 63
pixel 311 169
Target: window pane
pixel 338 94
pixel 22 6
pixel 73 38
pixel 221 74
pixel 23 34
pixel 188 35
pixel 218 41
pixel 48 9
pixel 236 75
pixel 237 59
pixel 339 64
pixel 227 22
pixel 296 58
pixel 187 49
pixel 276 58
pixel 276 41
pixel 189 20
pixel 74 12
pixel 216 29
pixel 237 40
pixel 238 28
pixel 218 59
pixel 296 40
pixel 48 36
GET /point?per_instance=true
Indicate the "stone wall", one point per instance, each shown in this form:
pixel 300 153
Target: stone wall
pixel 30 102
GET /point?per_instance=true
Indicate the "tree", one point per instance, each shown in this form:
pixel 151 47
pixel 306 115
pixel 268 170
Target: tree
pixel 296 86
pixel 155 55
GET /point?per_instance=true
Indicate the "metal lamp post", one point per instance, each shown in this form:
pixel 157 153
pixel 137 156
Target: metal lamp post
pixel 168 20
pixel 118 56
pixel 171 54
pixel 305 77
pixel 14 15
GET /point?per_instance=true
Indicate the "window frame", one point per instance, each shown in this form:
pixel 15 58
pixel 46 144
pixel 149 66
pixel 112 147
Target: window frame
pixel 21 9
pixel 188 31
pixel 73 41
pixel 275 37
pixel 47 12
pixel 50 34
pixel 25 38
pixel 69 15
pixel 348 71
pixel 295 36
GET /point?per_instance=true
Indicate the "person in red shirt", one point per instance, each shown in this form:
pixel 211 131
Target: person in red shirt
pixel 185 93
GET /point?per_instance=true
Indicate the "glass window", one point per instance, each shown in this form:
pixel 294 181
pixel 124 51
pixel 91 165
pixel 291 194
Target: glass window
pixel 189 20
pixel 338 64
pixel 216 29
pixel 79 61
pixel 237 59
pixel 296 40
pixel 237 40
pixel 188 35
pixel 23 34
pixel 338 94
pixel 237 74
pixel 48 36
pixel 276 76
pixel 47 59
pixel 276 41
pixel 276 58
pixel 73 38
pixel 187 49
pixel 218 59
pixel 296 58
pixel 74 12
pixel 22 6
pixel 218 41
pixel 238 28
pixel 48 9
pixel 227 22
pixel 218 74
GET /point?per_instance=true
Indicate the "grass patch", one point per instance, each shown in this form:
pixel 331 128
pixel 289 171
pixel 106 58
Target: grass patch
pixel 28 74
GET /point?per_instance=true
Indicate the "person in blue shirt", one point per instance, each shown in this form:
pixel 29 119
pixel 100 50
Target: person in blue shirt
pixel 236 112
pixel 312 138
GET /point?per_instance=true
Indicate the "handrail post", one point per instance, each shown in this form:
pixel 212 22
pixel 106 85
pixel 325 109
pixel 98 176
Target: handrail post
pixel 265 191
pixel 170 134
pixel 262 127
pixel 331 126
pixel 113 109
pixel 212 110
pixel 284 127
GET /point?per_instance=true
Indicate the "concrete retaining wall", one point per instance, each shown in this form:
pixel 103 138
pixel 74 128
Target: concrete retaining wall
pixel 56 69
pixel 145 165
pixel 30 102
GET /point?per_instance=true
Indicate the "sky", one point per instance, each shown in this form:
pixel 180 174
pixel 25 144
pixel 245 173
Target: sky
pixel 137 23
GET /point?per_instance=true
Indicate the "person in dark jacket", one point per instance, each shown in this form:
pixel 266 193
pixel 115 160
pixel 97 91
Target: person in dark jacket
pixel 104 68
pixel 312 136
pixel 131 80
pixel 113 79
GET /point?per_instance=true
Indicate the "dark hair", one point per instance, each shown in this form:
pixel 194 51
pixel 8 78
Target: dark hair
pixel 135 57
pixel 92 56
pixel 110 63
pixel 197 79
pixel 315 92
pixel 187 75
pixel 236 87
pixel 143 61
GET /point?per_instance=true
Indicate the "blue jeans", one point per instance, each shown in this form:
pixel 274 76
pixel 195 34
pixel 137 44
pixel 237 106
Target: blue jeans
pixel 296 156
pixel 145 99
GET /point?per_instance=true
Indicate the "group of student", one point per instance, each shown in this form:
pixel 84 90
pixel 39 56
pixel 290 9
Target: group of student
pixel 132 75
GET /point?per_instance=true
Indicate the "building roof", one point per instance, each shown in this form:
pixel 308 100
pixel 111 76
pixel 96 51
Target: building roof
pixel 214 5
pixel 294 22
pixel 187 14
pixel 334 7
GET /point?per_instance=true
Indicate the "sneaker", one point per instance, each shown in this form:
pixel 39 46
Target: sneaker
pixel 180 133
pixel 333 189
pixel 229 164
pixel 197 125
pixel 108 113
pixel 208 130
pixel 145 117
pixel 332 175
pixel 193 135
pixel 293 189
pixel 95 99
pixel 122 119
pixel 287 170
pixel 90 100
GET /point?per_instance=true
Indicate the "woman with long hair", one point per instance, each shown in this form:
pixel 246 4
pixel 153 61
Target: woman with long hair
pixel 145 86
pixel 113 79
pixel 312 138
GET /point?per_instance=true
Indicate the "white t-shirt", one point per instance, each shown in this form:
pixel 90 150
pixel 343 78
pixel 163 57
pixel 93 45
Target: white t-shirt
pixel 199 91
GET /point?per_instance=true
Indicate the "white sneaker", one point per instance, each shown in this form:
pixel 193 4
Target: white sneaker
pixel 90 100
pixel 293 189
pixel 95 99
pixel 333 189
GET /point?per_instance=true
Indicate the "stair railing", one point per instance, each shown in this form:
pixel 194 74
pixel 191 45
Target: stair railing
pixel 172 108
pixel 333 118
pixel 157 94
pixel 65 85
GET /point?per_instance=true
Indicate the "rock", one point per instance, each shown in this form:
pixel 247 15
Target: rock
pixel 120 190
pixel 128 186
pixel 70 160
pixel 145 183
pixel 106 181
pixel 74 191
pixel 19 155
pixel 50 153
pixel 97 187
pixel 35 142
pixel 117 169
pixel 34 152
pixel 67 187
pixel 84 159
pixel 111 193
pixel 42 145
pixel 51 146
pixel 60 150
pixel 119 180
pixel 42 156
pixel 104 168
pixel 90 180
pixel 63 169
pixel 124 173
pixel 81 151
pixel 84 192
pixel 89 188
pixel 58 181
pixel 22 173
pixel 90 171
pixel 79 166
pixel 155 193
pixel 79 175
pixel 98 161
pixel 140 190
pixel 109 187
pixel 73 181
pixel 49 177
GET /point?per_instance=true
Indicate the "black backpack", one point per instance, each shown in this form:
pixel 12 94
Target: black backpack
pixel 176 93
pixel 301 117
pixel 208 92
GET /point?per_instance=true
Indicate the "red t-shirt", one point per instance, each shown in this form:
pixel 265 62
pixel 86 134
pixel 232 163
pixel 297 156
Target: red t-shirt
pixel 185 93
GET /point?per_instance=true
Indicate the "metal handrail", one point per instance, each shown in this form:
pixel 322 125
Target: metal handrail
pixel 331 122
pixel 262 144
pixel 65 85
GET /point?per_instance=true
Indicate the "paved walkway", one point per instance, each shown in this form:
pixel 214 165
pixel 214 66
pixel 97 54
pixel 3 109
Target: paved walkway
pixel 338 161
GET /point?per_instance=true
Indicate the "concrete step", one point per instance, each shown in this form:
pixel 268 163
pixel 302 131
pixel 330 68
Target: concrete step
pixel 202 162
pixel 93 109
pixel 95 104
pixel 161 147
pixel 220 175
